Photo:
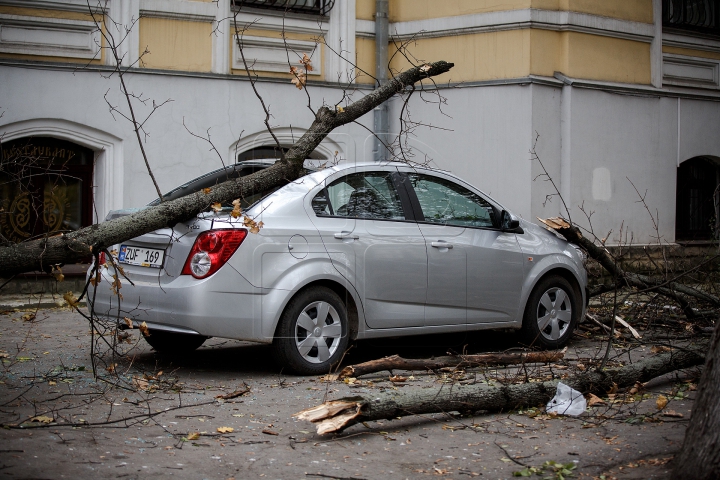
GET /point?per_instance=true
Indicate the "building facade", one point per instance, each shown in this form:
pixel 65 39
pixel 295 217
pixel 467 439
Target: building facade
pixel 619 99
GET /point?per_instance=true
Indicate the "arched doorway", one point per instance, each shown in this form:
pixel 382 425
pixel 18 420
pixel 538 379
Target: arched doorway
pixel 45 187
pixel 698 200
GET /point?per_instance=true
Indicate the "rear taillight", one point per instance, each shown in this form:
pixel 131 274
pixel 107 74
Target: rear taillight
pixel 211 250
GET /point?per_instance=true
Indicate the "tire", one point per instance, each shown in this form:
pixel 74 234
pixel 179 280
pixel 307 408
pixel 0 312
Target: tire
pixel 306 343
pixel 550 314
pixel 173 342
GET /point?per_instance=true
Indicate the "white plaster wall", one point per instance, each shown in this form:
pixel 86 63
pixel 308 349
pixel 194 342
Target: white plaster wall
pixel 488 142
pixel 227 107
pixel 699 129
pixel 615 139
pixel 546 115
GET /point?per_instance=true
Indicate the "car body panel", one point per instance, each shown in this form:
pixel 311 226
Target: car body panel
pixel 400 283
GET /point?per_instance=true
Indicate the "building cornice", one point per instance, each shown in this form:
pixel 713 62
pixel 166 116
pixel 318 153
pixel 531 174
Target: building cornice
pixel 179 10
pixel 691 42
pixel 62 5
pixel 561 21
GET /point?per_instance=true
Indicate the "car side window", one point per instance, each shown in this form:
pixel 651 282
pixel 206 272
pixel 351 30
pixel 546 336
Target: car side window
pixel 448 203
pixel 360 195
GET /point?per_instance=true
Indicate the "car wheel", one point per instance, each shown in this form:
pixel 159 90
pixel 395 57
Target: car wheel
pixel 550 314
pixel 312 333
pixel 172 342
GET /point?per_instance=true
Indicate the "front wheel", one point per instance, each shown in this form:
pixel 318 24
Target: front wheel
pixel 312 333
pixel 550 314
pixel 174 343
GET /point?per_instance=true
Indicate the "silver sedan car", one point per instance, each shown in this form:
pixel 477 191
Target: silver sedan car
pixel 348 252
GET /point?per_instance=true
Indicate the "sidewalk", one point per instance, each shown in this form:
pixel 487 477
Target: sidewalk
pixel 31 301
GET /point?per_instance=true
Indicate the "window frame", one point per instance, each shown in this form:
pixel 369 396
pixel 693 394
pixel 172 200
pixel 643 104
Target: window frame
pixel 395 177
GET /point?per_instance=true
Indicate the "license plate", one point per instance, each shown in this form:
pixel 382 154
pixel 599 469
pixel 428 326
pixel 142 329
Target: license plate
pixel 143 257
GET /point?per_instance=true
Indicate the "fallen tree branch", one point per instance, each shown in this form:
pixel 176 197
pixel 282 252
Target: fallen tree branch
pixel 600 254
pixel 395 362
pixel 336 415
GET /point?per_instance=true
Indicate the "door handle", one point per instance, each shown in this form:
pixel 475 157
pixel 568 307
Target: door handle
pixel 345 235
pixel 441 244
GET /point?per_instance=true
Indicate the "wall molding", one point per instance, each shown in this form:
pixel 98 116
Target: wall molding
pixel 52 37
pixel 694 72
pixel 278 23
pixel 559 21
pixel 179 10
pixel 268 54
pixel 691 42
pixel 80 6
pixel 286 136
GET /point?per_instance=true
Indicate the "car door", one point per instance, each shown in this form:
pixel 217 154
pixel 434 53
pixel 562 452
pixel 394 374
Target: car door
pixel 475 270
pixel 362 220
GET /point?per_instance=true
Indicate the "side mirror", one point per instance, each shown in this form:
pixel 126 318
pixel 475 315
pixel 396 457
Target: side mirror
pixel 510 224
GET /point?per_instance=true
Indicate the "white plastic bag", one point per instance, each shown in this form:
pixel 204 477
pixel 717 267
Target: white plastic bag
pixel 567 401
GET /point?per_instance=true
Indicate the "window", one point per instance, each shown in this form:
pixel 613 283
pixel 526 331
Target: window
pixel 447 203
pixel 360 195
pixel 698 199
pixel 315 7
pixel 45 187
pixel 693 15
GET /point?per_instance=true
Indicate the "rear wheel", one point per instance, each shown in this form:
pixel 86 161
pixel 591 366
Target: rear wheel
pixel 312 333
pixel 550 314
pixel 174 343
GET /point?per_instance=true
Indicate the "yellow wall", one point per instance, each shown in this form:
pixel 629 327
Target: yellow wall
pixel 407 10
pixel 365 9
pixel 518 53
pixel 604 58
pixel 691 53
pixel 365 59
pixel 176 44
pixel 481 56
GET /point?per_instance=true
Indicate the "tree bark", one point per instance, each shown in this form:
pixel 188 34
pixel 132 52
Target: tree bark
pixel 42 253
pixel 339 414
pixel 396 362
pixel 700 455
pixel 669 289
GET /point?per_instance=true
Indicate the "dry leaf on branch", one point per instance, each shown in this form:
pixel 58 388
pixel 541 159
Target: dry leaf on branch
pixel 236 211
pixel 306 62
pixel 299 78
pixel 128 322
pixel 71 299
pixel 144 329
pixel 207 191
pixel 216 206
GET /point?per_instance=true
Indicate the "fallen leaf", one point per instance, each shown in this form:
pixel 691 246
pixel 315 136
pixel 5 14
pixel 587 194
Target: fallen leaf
pixel 193 435
pixel 269 432
pixel 42 419
pixel 660 349
pixel 398 379
pixel 225 429
pixel 672 413
pixel 51 382
pixel 661 402
pixel 28 317
pixel 595 400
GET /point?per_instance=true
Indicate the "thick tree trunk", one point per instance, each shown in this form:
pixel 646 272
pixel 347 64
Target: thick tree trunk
pixel 339 414
pixel 700 456
pixel 396 362
pixel 41 254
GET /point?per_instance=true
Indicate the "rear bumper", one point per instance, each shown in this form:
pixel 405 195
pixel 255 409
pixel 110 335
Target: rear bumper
pixel 224 305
